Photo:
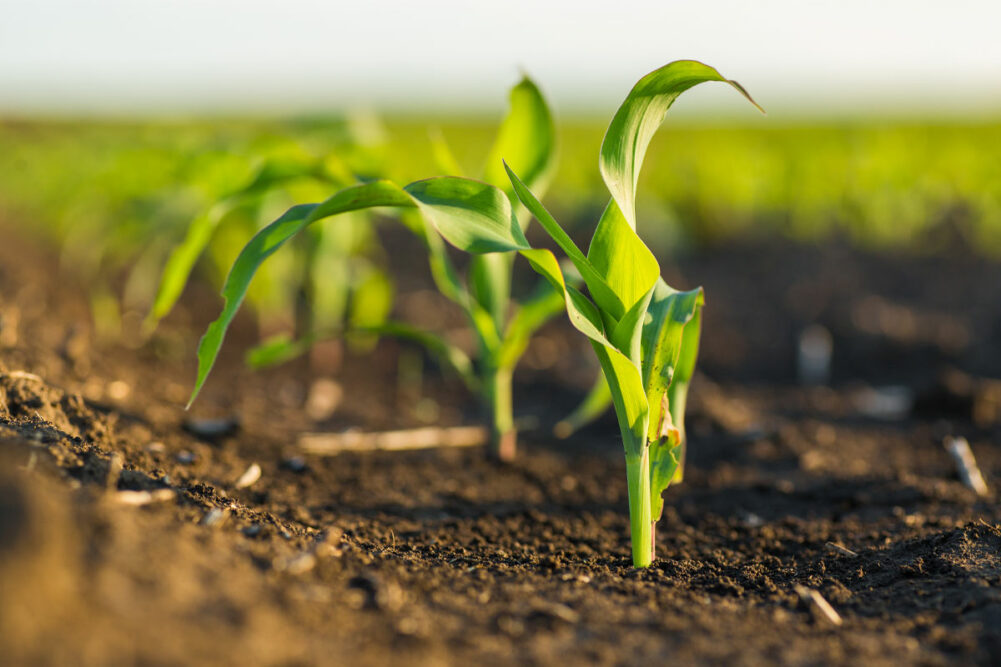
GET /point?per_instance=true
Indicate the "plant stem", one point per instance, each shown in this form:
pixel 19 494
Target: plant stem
pixel 640 511
pixel 503 437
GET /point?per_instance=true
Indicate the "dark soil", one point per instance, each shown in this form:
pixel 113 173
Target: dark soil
pixel 441 557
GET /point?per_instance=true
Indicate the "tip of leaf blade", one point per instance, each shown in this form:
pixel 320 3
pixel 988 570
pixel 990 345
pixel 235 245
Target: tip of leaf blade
pixel 743 91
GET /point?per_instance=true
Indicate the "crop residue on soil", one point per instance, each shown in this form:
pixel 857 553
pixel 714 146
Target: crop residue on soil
pixel 125 538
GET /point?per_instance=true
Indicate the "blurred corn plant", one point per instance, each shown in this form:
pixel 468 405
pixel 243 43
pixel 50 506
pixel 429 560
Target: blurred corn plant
pixel 333 279
pixel 455 209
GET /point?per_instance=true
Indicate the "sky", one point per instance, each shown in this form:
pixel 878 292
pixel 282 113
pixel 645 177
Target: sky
pixel 909 57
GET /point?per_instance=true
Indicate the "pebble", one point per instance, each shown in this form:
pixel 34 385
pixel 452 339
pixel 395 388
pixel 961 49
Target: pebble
pixel 214 516
pixel 298 564
pixel 750 519
pixel 212 428
pixel 295 464
pixel 186 458
pixel 250 475
pixel 137 498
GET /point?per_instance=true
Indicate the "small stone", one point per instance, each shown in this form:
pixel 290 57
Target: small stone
pixel 298 564
pixel 214 516
pixel 138 498
pixel 212 429
pixel 186 458
pixel 295 464
pixel 250 475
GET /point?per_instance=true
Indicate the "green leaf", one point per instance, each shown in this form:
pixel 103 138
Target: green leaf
pixel 264 243
pixel 366 195
pixel 526 141
pixel 472 216
pixel 636 121
pixel 678 392
pixel 663 337
pixel 443 272
pixel 626 387
pixel 624 262
pixel 277 349
pixel 182 260
pixel 584 315
pixel 689 345
pixel 446 279
pixel 490 284
pixel 626 335
pixel 664 464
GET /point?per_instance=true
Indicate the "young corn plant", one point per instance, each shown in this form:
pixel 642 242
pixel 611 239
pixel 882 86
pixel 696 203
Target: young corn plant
pixel 483 218
pixel 526 137
pixel 644 333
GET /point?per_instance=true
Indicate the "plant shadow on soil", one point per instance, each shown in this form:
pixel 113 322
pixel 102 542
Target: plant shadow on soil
pixel 441 557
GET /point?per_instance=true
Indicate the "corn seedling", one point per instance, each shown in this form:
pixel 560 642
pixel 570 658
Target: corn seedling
pixel 644 332
pixel 526 137
pixel 474 216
